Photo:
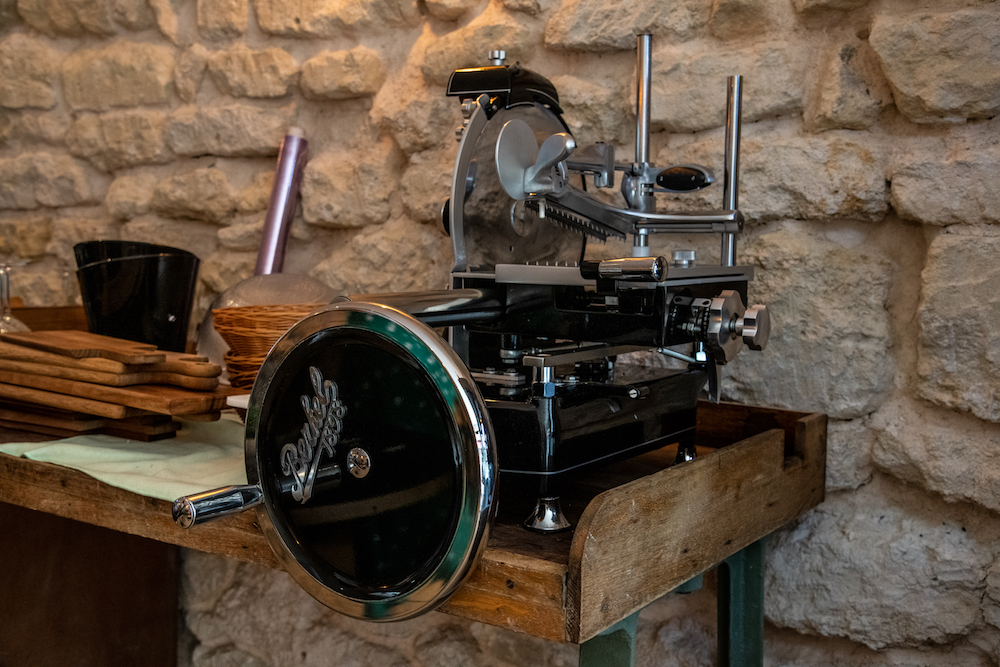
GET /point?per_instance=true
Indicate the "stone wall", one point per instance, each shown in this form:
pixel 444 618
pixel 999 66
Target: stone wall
pixel 871 156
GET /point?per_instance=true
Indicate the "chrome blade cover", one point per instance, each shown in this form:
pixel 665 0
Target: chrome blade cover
pixel 376 460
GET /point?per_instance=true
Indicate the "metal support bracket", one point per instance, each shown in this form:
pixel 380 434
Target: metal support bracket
pixel 613 647
pixel 741 608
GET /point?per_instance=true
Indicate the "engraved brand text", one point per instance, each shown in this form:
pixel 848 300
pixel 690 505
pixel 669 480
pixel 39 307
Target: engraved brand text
pixel 320 433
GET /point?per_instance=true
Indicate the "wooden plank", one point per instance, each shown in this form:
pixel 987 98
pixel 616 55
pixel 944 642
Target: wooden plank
pixel 173 362
pixel 64 402
pixel 74 594
pixel 83 344
pixel 53 318
pixel 110 379
pixel 638 541
pixel 153 398
pixel 534 595
pixel 74 495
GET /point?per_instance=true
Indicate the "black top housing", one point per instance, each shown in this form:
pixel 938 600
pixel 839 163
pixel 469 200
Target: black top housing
pixel 512 84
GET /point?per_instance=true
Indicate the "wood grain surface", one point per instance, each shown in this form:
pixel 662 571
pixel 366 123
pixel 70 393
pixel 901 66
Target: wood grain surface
pixel 152 398
pixel 173 362
pixel 632 543
pixel 83 344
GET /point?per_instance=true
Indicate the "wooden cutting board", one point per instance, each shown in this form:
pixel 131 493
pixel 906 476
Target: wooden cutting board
pixel 174 362
pixel 110 379
pixel 83 344
pixel 152 398
pixel 64 402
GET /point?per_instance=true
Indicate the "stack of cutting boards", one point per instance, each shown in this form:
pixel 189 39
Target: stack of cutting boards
pixel 71 382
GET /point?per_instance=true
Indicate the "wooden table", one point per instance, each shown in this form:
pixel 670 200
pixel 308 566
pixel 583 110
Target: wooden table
pixel 642 529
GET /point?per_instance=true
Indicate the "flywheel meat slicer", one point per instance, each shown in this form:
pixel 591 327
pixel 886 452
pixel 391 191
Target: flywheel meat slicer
pixel 375 448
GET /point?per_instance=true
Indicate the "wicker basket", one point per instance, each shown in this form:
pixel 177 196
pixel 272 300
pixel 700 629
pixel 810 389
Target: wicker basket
pixel 250 332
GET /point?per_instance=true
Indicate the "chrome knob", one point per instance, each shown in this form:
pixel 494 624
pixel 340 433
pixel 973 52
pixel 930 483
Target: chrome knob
pixel 724 312
pixel 755 327
pixel 497 57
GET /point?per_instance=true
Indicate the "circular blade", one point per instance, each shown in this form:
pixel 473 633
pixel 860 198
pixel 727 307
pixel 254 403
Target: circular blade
pixel 376 459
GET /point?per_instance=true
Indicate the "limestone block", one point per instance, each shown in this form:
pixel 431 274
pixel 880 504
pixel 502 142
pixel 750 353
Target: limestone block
pixel 341 75
pixel 133 14
pixel 959 355
pixel 417 117
pixel 426 185
pixel 235 130
pixel 27 129
pixel 121 74
pixel 806 6
pixel 166 18
pixel 29 69
pixel 190 71
pixel 31 180
pixel 241 72
pixel 942 451
pixel 9 18
pixel 200 194
pixel 130 196
pixel 257 195
pixel 594 25
pixel 596 110
pixel 25 235
pixel 333 18
pixel 243 234
pixel 222 19
pixel 830 349
pixel 991 601
pixel 530 7
pixel 849 91
pixel 420 257
pixel 470 45
pixel 942 66
pixel 948 185
pixel 68 17
pixel 689 89
pixel 223 269
pixel 848 454
pixel 120 139
pixel 833 176
pixel 883 566
pixel 449 10
pixel 195 237
pixel 340 190
pixel 737 19
pixel 69 230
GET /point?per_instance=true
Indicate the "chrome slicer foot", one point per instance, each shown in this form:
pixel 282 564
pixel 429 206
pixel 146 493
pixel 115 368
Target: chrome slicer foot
pixel 548 517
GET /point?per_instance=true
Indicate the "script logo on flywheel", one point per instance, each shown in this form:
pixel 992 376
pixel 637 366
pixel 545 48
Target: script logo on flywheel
pixel 320 434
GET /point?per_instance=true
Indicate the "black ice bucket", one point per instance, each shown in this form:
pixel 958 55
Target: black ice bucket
pixel 137 291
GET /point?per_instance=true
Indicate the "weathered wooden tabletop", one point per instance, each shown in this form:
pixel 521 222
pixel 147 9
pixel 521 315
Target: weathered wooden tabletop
pixel 642 527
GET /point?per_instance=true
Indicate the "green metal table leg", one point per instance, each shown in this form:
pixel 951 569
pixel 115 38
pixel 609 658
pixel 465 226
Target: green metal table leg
pixel 741 608
pixel 615 647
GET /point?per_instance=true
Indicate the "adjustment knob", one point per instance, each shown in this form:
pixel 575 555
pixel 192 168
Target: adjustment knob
pixel 724 312
pixel 755 327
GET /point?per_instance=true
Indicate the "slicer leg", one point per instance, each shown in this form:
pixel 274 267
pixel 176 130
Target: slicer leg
pixel 615 647
pixel 741 608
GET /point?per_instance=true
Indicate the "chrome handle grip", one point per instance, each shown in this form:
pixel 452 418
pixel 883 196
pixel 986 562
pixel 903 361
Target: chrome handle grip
pixel 626 268
pixel 210 505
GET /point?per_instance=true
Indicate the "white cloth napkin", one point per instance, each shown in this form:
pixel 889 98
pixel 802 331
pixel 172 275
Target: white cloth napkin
pixel 202 456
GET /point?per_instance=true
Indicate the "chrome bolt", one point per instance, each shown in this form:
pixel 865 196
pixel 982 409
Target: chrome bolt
pixel 358 462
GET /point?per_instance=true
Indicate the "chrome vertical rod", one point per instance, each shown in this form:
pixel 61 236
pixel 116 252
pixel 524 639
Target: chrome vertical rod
pixel 643 200
pixel 731 183
pixel 644 73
